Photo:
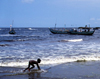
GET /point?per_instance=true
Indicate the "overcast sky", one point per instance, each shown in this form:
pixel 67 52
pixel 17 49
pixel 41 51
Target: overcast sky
pixel 45 13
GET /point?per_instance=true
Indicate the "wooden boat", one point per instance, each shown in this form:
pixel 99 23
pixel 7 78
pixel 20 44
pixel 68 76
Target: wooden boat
pixel 85 32
pixel 82 33
pixel 12 31
pixel 56 31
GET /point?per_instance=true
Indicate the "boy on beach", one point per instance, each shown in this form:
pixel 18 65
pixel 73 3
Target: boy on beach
pixel 32 62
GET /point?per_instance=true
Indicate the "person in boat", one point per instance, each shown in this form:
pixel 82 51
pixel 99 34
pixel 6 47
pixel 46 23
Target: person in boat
pixel 31 63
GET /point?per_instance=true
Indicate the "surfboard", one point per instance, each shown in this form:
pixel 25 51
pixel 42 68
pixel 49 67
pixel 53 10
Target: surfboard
pixel 36 70
pixel 27 72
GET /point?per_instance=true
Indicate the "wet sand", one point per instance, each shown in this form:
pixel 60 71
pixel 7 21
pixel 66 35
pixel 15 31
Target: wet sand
pixel 75 70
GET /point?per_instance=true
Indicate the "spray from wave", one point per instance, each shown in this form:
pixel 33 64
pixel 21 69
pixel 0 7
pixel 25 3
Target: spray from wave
pixel 53 61
pixel 72 40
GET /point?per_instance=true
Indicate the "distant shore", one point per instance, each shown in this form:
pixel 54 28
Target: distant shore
pixel 75 70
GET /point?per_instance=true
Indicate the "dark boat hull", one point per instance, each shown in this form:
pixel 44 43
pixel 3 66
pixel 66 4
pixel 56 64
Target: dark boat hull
pixel 54 31
pixel 82 33
pixel 12 32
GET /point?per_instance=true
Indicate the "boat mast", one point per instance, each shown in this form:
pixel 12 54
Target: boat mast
pixel 65 25
pixel 55 25
pixel 12 24
pixel 10 27
pixel 89 25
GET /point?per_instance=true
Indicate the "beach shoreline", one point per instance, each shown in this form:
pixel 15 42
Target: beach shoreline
pixel 73 70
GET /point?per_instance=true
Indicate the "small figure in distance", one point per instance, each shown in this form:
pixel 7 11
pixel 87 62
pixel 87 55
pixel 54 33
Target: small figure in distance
pixel 32 62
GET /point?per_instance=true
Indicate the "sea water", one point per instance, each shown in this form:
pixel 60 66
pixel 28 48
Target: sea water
pixel 53 49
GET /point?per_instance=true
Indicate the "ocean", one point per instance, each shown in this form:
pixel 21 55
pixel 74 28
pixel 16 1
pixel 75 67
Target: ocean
pixel 53 49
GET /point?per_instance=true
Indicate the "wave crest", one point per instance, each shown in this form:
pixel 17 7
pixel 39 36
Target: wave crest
pixel 72 40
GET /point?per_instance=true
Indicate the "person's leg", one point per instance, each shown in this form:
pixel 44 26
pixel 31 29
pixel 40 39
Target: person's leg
pixel 27 68
pixel 32 66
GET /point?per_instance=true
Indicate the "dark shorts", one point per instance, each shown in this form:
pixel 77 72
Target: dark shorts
pixel 30 64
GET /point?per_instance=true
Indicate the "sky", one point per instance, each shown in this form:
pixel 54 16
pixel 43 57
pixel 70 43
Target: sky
pixel 45 13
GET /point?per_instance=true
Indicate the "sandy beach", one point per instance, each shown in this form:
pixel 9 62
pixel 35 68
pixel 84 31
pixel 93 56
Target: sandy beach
pixel 74 70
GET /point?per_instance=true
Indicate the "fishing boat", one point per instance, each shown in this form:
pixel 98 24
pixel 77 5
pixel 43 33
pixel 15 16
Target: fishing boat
pixel 12 31
pixel 57 31
pixel 82 31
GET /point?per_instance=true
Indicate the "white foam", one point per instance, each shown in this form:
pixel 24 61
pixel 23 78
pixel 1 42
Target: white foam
pixel 60 60
pixel 72 40
pixel 13 64
pixel 42 70
pixel 7 35
pixel 56 61
pixel 51 61
pixel 31 29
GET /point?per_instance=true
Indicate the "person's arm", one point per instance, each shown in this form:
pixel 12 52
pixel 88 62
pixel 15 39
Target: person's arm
pixel 38 66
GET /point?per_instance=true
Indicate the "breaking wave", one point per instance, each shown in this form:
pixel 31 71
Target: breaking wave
pixel 72 40
pixel 53 61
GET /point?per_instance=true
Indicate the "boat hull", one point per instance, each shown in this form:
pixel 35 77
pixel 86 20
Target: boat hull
pixel 82 33
pixel 58 31
pixel 12 32
pixel 54 31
